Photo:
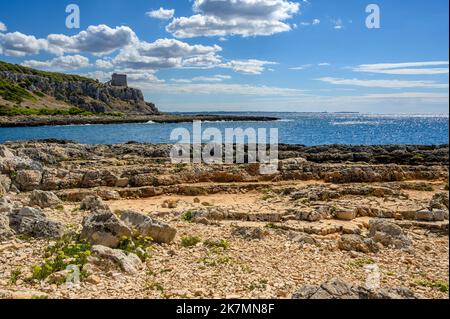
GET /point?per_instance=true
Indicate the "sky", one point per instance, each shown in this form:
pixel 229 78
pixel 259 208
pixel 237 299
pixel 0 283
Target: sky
pixel 245 55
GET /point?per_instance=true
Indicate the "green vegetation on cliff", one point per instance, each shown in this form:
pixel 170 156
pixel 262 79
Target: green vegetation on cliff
pixel 14 111
pixel 13 92
pixel 5 67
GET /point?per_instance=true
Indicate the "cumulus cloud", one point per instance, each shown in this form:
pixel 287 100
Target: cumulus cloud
pixel 102 76
pixel 161 13
pixel 247 66
pixel 134 76
pixel 409 68
pixel 3 27
pixel 17 44
pixel 235 17
pixel 100 39
pixel 103 64
pixel 395 84
pixel 167 53
pixel 62 63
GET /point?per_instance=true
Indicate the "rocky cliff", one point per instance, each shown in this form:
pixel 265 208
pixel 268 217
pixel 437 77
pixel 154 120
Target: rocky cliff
pixel 25 87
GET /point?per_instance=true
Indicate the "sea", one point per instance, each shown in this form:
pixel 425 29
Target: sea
pixel 293 128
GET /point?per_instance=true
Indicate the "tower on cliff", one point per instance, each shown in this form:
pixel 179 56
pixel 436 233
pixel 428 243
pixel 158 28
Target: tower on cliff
pixel 119 80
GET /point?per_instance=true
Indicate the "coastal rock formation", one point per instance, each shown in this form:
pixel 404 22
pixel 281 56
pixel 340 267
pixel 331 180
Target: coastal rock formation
pixel 146 226
pixel 338 289
pixel 93 203
pixel 129 263
pixel 388 234
pixel 44 199
pixel 210 223
pixel 71 90
pixel 33 222
pixel 357 243
pixel 104 228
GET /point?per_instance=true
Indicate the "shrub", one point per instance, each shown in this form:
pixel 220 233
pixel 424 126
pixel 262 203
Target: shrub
pixel 222 243
pixel 435 284
pixel 189 241
pixel 213 262
pixel 138 245
pixel 13 92
pixel 188 216
pixel 15 274
pixel 69 250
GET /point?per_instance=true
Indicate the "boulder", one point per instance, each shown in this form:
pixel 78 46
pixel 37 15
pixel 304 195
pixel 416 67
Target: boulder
pixel 431 215
pixel 93 203
pixel 147 226
pixel 11 163
pixel 33 222
pixel 333 289
pixel 357 243
pixel 304 239
pixel 5 182
pixel 104 228
pixel 338 289
pixel 5 205
pixel 346 214
pixel 249 232
pixel 44 199
pixel 28 180
pixel 5 231
pixel 308 215
pixel 128 263
pixel 388 234
pixel 439 201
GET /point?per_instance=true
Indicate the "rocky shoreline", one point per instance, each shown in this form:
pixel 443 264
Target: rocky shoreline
pixel 32 121
pixel 122 221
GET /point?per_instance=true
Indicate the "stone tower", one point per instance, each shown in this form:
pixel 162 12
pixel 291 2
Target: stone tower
pixel 119 80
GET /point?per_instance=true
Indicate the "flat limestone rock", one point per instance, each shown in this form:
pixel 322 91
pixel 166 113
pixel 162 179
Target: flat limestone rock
pixel 104 228
pixel 128 263
pixel 147 226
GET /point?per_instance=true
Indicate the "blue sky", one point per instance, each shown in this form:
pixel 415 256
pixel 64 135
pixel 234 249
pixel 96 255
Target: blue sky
pixel 243 55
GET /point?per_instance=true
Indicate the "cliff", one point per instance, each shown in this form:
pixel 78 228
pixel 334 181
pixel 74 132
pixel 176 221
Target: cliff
pixel 29 88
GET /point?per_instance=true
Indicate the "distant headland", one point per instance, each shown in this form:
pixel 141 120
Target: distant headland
pixel 30 97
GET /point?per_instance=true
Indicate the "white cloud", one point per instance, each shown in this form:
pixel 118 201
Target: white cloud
pixel 161 13
pixel 103 64
pixel 99 75
pixel 302 67
pixel 307 66
pixel 62 63
pixel 313 22
pixel 183 87
pixel 410 68
pixel 214 78
pixel 395 84
pixel 167 53
pixel 17 44
pixel 235 17
pixel 408 95
pixel 338 24
pixel 3 27
pixel 134 76
pixel 247 66
pixel 100 39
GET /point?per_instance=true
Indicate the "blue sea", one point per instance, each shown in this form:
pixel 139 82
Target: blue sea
pixel 293 128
